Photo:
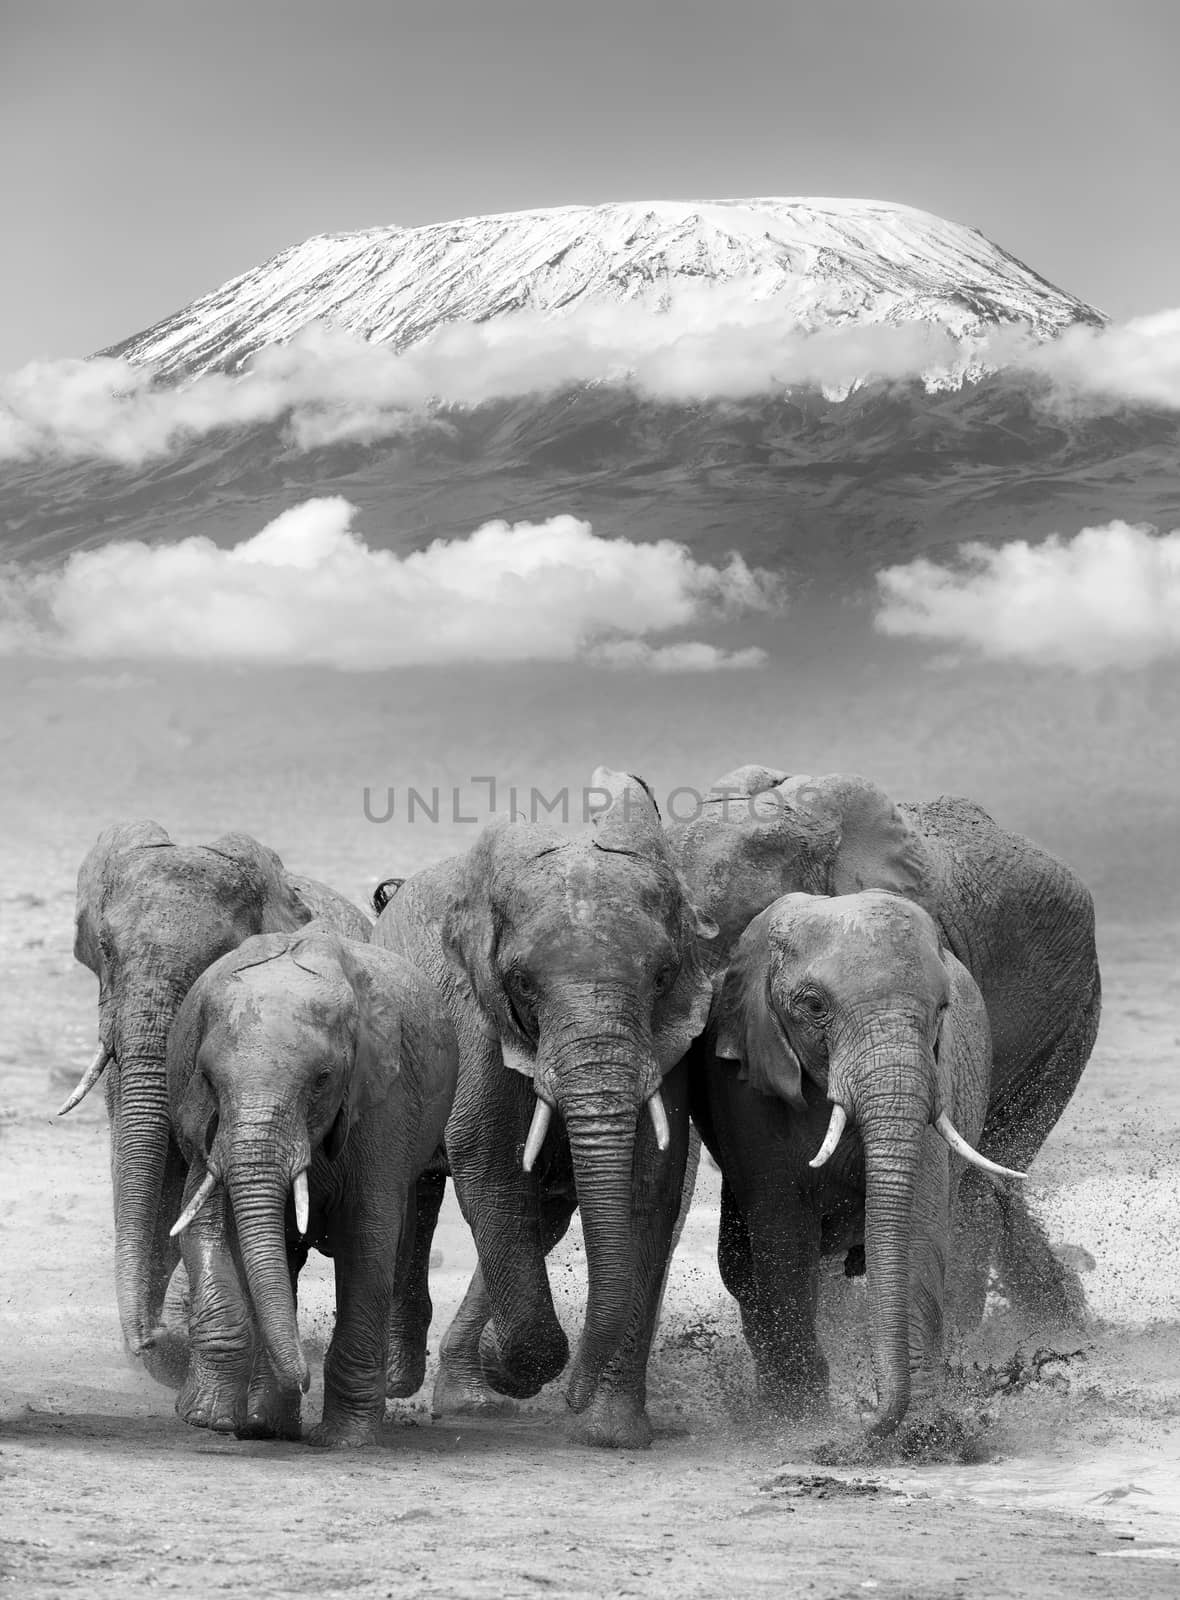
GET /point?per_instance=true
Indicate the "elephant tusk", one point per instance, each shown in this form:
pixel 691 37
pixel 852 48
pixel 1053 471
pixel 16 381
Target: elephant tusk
pixel 208 1184
pixel 836 1126
pixel 302 1201
pixel 538 1128
pixel 659 1119
pixel 960 1146
pixel 88 1079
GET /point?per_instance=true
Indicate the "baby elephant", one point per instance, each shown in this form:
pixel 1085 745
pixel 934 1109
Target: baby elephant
pixel 310 1077
pixel 842 1013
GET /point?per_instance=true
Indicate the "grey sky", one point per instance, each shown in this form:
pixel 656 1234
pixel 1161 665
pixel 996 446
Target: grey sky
pixel 153 150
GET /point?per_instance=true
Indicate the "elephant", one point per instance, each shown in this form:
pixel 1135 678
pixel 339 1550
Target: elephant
pixel 570 968
pixel 309 1081
pixel 151 916
pixel 1020 922
pixel 851 999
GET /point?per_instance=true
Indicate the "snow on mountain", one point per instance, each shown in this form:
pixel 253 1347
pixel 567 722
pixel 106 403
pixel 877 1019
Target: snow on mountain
pixel 825 262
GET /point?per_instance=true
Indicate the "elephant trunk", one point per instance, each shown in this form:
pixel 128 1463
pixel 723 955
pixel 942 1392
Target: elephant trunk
pixel 260 1159
pixel 891 1095
pixel 602 1143
pixel 600 1078
pixel 137 1101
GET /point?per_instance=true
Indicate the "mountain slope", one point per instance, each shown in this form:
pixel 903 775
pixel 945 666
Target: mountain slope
pixel 826 262
pixel 827 490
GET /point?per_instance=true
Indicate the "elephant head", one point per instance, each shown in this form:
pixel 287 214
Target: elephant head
pixel 278 1050
pixel 581 956
pixel 151 916
pixel 857 993
pixel 759 834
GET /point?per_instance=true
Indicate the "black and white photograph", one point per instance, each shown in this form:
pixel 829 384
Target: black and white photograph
pixel 590 799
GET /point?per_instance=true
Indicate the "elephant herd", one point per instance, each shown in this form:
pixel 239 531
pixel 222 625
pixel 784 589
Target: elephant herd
pixel 872 1014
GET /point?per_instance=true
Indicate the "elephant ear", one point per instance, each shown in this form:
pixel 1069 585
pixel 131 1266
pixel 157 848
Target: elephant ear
pixel 470 930
pixel 874 846
pixel 629 821
pixel 324 904
pixel 964 1055
pixel 193 1104
pixel 267 901
pixel 377 1054
pixel 470 938
pixel 684 1013
pixel 429 1049
pixel 748 1030
pixel 97 878
pixel 745 781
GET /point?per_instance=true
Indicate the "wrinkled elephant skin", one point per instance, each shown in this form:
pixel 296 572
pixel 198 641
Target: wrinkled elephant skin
pixel 309 1077
pixel 845 1017
pixel 151 917
pixel 570 967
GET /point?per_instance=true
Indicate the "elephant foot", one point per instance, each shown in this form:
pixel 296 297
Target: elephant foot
pixel 272 1412
pixel 405 1374
pixel 612 1421
pixel 521 1374
pixel 165 1356
pixel 792 1400
pixel 276 1417
pixel 465 1394
pixel 933 1433
pixel 208 1400
pixel 405 1370
pixel 342 1435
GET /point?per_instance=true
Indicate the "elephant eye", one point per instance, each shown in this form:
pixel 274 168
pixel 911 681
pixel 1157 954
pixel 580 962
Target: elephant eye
pixel 521 984
pixel 521 994
pixel 322 1079
pixel 811 1004
pixel 664 979
pixel 939 1019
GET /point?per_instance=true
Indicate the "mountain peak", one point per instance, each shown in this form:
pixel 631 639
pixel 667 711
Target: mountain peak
pixel 827 262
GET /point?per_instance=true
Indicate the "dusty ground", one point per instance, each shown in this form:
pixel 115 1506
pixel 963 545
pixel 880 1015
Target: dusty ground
pixel 103 1491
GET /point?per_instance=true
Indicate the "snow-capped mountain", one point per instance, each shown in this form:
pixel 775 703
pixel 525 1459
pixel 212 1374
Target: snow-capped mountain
pixel 826 489
pixel 824 262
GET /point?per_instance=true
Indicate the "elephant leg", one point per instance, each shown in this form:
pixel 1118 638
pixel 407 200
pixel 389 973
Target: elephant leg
pixel 975 1230
pixel 166 1350
pixel 357 1360
pixel 1045 1289
pixel 1020 1116
pixel 616 1417
pixel 995 1227
pixel 273 1412
pixel 460 1388
pixel 522 1346
pixel 409 1321
pixel 780 1303
pixel 692 1167
pixel 221 1332
pixel 734 1257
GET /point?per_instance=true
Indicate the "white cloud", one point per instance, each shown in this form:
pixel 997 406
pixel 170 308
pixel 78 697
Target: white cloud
pixel 1109 597
pixel 691 656
pixel 307 589
pixel 718 342
pixel 328 386
pixel 1130 363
